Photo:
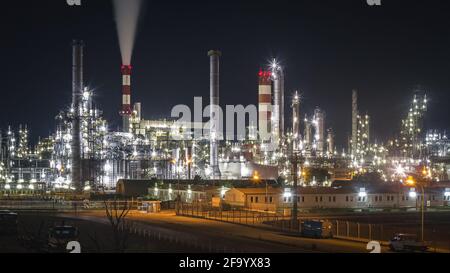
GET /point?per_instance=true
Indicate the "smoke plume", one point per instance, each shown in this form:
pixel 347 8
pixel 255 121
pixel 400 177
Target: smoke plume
pixel 127 15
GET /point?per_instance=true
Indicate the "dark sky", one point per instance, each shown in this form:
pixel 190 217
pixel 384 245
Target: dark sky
pixel 327 47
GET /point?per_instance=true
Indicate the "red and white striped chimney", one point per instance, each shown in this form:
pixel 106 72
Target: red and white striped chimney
pixel 265 105
pixel 126 97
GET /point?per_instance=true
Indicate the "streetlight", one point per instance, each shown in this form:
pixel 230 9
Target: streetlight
pixel 410 181
pixel 256 177
pixel 296 159
pixel 174 162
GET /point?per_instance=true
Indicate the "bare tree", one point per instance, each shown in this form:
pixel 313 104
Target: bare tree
pixel 116 212
pixel 96 241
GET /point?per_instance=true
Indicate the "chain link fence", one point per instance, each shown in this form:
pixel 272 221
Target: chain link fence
pixel 230 214
pixel 356 231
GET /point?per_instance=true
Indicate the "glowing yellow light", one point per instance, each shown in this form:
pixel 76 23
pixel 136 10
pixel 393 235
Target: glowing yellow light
pixel 410 180
pixel 256 176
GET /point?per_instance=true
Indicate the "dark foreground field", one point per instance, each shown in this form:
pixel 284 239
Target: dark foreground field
pixel 94 237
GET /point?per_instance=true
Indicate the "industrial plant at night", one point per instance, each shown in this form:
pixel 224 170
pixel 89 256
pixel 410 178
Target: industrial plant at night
pixel 85 155
pixel 279 162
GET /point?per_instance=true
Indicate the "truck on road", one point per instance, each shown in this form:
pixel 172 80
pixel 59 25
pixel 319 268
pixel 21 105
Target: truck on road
pixel 317 229
pixel 407 242
pixel 59 236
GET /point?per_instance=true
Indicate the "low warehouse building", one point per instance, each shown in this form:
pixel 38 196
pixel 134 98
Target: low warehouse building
pixel 254 198
pixel 385 196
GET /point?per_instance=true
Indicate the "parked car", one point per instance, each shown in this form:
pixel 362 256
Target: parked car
pixel 407 242
pixel 317 229
pixel 8 222
pixel 60 236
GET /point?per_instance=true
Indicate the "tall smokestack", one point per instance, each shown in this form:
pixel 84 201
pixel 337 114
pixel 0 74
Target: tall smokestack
pixel 354 138
pixel 265 103
pixel 126 98
pixel 77 91
pixel 214 56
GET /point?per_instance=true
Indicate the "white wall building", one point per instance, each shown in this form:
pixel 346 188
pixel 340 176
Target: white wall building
pixel 277 199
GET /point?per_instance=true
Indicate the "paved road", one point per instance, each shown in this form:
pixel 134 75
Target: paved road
pixel 231 237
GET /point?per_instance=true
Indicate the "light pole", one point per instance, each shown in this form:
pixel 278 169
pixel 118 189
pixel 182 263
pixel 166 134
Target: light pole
pixel 412 182
pixel 423 211
pixel 189 163
pixel 296 159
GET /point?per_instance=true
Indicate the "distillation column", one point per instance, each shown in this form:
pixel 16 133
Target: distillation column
pixel 296 120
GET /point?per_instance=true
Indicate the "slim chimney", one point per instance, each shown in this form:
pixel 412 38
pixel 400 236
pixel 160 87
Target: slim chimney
pixel 214 56
pixel 77 91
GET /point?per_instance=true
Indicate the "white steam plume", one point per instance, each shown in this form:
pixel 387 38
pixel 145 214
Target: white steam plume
pixel 127 16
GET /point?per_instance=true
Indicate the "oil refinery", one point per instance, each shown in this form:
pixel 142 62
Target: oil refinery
pixel 83 154
pixel 227 127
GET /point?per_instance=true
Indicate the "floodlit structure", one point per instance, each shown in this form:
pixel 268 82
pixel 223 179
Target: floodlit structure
pixel 437 144
pixel 296 119
pixel 319 127
pixel 412 132
pixel 330 143
pixel 363 136
pixel 410 141
pixel 354 138
pixel 308 134
pixel 277 119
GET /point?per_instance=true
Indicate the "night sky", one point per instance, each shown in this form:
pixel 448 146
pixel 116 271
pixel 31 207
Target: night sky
pixel 327 47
